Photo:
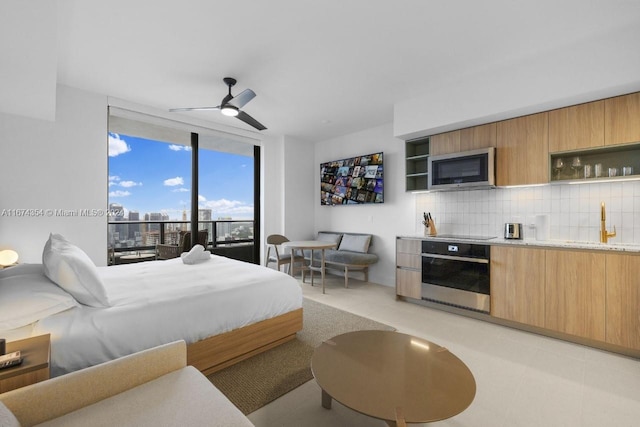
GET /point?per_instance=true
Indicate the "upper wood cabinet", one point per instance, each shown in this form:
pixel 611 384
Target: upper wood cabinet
pixel 522 154
pixel 622 119
pixel 445 143
pixel 466 139
pixel 518 284
pixel 577 127
pixel 477 137
pixel 623 300
pixel 575 293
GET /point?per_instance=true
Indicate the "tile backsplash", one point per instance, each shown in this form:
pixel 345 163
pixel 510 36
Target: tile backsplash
pixel 573 210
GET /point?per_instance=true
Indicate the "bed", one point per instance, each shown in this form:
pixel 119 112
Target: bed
pixel 226 310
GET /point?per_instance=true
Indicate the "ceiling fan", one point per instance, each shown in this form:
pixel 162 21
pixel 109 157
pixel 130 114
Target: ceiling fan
pixel 231 105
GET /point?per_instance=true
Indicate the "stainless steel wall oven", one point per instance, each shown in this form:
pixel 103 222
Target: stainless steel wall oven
pixel 456 274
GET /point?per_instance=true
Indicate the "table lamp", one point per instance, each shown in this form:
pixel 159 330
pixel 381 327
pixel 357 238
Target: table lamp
pixel 8 258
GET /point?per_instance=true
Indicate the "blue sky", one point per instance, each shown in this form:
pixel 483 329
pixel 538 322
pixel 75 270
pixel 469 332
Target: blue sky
pixel 152 176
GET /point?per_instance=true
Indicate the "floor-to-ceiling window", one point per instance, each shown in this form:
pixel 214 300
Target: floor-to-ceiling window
pixel 163 181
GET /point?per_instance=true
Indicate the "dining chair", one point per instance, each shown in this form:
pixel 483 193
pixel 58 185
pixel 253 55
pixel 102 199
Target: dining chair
pixel 273 242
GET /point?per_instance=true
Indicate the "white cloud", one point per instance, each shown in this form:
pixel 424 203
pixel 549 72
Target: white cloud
pixel 175 147
pixel 181 190
pixel 119 193
pixel 128 184
pixel 117 146
pixel 224 207
pixel 201 198
pixel 113 180
pixel 172 182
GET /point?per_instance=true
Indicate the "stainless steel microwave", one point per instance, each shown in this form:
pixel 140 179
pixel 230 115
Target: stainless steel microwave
pixel 459 171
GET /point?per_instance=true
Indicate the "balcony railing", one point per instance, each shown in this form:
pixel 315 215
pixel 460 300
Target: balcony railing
pixel 129 238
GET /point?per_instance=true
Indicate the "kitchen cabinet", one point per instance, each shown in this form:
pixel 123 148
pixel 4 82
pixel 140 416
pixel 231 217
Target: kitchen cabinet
pixel 623 300
pixel 622 119
pixel 518 284
pixel 522 154
pixel 578 127
pixel 624 159
pixel 417 159
pixel 575 293
pixel 477 137
pixel 445 143
pixel 409 267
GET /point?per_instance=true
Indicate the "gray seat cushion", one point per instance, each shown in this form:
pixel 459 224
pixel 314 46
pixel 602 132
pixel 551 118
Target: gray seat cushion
pixel 346 257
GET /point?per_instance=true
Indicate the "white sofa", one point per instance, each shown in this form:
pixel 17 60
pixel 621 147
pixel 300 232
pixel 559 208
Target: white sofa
pixel 154 387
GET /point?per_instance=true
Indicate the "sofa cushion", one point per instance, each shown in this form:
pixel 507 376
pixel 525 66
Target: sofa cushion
pixel 344 257
pixel 329 237
pixel 355 243
pixel 180 398
pixel 7 419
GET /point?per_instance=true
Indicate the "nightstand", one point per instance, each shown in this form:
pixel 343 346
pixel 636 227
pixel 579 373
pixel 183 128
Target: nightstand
pixel 35 363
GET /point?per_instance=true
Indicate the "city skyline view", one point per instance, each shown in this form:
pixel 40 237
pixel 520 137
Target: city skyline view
pixel 151 176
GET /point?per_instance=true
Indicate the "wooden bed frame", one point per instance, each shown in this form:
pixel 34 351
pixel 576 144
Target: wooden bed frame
pixel 219 351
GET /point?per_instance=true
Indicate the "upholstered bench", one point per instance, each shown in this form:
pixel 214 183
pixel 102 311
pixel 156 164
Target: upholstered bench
pixel 351 253
pixel 150 388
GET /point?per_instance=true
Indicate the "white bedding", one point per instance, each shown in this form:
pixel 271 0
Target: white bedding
pixel 162 301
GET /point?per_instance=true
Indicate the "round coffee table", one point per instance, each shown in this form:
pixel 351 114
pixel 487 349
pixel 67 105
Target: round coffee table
pixel 380 373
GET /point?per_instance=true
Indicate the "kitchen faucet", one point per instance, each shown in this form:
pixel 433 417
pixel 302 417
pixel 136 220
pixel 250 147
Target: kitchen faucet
pixel 604 234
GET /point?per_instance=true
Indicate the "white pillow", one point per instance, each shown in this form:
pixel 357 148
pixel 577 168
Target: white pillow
pixel 27 296
pixel 329 237
pixel 72 269
pixel 355 243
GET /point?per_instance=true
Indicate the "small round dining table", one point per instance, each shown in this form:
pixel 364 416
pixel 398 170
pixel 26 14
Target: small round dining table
pixel 312 245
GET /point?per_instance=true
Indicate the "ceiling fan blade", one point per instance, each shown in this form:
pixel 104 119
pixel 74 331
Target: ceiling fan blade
pixel 173 110
pixel 250 120
pixel 242 98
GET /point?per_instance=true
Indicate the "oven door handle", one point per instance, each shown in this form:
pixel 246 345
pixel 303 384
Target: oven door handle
pixel 457 258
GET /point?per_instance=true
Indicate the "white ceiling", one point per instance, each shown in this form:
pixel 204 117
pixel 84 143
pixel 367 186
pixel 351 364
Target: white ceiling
pixel 320 68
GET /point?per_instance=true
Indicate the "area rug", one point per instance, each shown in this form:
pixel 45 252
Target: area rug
pixel 254 382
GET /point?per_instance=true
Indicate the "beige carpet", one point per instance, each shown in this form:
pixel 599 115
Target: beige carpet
pixel 253 383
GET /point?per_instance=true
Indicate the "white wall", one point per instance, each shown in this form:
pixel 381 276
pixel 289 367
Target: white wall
pixel 272 182
pixel 298 165
pixel 55 165
pixel 394 217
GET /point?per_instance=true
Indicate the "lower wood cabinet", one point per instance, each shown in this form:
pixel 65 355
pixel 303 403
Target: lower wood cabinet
pixel 623 300
pixel 409 267
pixel 575 293
pixel 408 283
pixel 518 284
pixel 587 294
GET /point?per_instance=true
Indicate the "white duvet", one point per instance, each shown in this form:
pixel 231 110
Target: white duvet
pixel 163 301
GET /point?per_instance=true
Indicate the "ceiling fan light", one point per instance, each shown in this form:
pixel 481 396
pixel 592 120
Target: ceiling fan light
pixel 229 110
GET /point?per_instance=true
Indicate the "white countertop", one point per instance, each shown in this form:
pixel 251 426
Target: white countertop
pixel 564 244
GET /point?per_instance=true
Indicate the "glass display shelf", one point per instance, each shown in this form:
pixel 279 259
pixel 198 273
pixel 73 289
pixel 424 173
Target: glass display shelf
pixel 620 162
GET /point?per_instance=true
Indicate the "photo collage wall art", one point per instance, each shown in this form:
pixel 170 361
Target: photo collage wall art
pixel 352 181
